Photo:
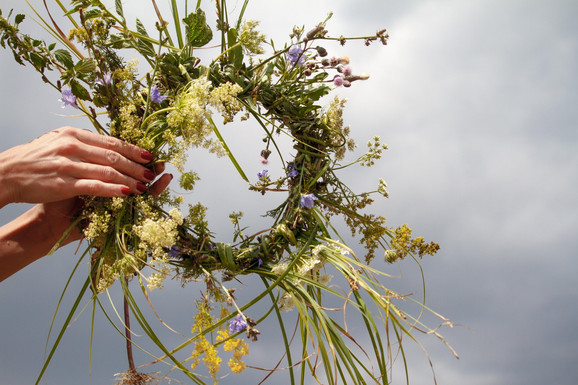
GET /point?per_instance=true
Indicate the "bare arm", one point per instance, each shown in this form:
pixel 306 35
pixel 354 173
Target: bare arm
pixel 52 171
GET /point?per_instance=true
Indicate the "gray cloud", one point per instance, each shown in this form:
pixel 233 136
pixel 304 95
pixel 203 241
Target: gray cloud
pixel 476 100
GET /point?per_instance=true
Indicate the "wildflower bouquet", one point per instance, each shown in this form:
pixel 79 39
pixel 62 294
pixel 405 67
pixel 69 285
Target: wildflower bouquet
pixel 180 101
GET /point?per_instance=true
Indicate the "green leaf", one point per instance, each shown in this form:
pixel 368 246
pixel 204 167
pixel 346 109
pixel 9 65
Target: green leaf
pixel 92 14
pixel 118 6
pixel 197 29
pixel 78 90
pixel 51 46
pixel 236 54
pixel 85 66
pixel 145 47
pixel 19 18
pixel 37 60
pixel 64 58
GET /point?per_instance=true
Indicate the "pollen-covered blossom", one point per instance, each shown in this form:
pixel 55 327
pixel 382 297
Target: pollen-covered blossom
pixel 308 201
pixel 68 98
pixel 286 302
pixel 237 324
pixel 190 117
pixel 160 234
pixel 251 39
pixel 382 188
pixel 279 268
pixel 156 96
pixel 224 100
pixel 296 56
pixel 375 149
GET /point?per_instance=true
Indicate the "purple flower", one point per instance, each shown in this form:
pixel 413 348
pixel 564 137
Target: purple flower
pixel 263 177
pixel 338 80
pixel 237 324
pixel 175 251
pixel 68 98
pixel 292 173
pixel 295 55
pixel 156 96
pixel 106 80
pixel 308 201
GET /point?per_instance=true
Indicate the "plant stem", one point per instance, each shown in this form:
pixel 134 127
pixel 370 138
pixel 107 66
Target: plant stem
pixel 127 334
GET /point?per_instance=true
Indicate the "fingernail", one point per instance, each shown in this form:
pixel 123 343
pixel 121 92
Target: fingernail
pixel 149 175
pixel 141 187
pixel 147 155
pixel 125 190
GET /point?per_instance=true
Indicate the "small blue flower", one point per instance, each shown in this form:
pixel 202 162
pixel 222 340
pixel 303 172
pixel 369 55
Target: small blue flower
pixel 308 201
pixel 106 80
pixel 237 324
pixel 263 177
pixel 295 55
pixel 292 173
pixel 175 251
pixel 68 98
pixel 156 96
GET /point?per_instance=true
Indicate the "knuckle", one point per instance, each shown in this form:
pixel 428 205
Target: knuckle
pixel 112 157
pixel 69 147
pixel 108 174
pixel 110 141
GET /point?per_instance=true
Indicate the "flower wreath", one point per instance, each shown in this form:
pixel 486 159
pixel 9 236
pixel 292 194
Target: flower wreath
pixel 170 110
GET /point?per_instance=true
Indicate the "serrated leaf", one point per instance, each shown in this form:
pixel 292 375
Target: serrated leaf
pixel 19 18
pixel 140 28
pixel 85 66
pixel 145 47
pixel 118 41
pixel 198 31
pixel 118 7
pixel 37 60
pixel 92 13
pixel 78 90
pixel 64 58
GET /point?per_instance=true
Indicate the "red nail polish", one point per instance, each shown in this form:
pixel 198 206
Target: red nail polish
pixel 149 175
pixel 125 190
pixel 141 187
pixel 147 155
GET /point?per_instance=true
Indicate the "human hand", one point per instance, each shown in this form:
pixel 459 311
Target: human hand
pixel 57 216
pixel 68 162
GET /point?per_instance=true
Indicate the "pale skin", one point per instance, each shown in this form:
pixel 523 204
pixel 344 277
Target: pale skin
pixel 52 171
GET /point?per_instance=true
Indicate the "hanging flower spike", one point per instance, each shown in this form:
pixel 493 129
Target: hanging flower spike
pixel 237 324
pixel 308 201
pixel 156 96
pixel 68 98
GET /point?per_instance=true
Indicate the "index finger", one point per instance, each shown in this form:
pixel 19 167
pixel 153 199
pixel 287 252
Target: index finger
pixel 129 151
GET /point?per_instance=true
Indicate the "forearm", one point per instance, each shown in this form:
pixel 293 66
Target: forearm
pixel 24 240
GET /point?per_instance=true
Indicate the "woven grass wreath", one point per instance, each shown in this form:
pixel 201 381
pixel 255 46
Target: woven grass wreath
pixel 142 239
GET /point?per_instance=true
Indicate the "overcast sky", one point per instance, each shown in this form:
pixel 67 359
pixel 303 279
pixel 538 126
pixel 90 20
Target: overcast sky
pixel 477 101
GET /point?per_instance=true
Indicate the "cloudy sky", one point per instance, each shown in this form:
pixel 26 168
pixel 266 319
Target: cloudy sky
pixel 477 102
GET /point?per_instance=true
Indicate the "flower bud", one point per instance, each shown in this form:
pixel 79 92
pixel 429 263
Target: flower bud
pixel 315 32
pixel 321 51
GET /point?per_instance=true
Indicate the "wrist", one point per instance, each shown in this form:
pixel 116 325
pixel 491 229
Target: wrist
pixel 5 185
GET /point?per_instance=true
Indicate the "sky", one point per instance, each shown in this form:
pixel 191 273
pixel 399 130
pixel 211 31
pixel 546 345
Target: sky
pixel 477 102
